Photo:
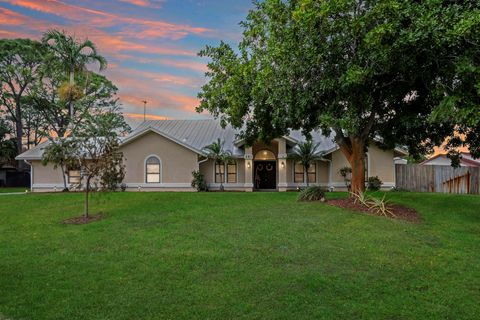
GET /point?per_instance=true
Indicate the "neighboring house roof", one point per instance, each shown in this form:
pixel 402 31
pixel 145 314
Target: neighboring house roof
pixel 466 160
pixel 34 153
pixel 196 134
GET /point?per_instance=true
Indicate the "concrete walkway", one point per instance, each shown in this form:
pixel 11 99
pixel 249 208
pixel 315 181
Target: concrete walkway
pixel 13 193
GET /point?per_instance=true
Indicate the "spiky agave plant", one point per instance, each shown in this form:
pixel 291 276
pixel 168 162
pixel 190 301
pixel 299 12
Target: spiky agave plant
pixel 361 198
pixel 381 206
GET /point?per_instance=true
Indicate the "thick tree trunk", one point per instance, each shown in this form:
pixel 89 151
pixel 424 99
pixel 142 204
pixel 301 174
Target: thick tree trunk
pixel 355 154
pixel 222 178
pixel 305 173
pixel 71 84
pixel 64 178
pixel 19 132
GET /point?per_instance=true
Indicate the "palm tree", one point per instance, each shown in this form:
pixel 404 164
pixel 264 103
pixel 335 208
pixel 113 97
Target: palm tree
pixel 306 153
pixel 74 55
pixel 216 152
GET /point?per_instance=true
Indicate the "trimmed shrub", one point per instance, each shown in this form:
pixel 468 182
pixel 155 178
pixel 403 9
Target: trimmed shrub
pixel 313 193
pixel 346 173
pixel 374 183
pixel 199 182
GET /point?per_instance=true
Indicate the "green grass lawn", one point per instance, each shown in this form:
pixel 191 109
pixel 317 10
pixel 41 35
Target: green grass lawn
pixel 10 190
pixel 237 256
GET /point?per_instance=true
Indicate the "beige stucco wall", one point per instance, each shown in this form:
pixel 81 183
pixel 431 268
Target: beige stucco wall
pixel 177 162
pixel 322 173
pixel 379 163
pixel 207 168
pixel 46 178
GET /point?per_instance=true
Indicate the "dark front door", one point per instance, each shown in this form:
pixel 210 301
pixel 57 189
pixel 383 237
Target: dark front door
pixel 265 175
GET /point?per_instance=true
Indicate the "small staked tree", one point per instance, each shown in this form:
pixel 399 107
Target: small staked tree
pixel 75 56
pixel 306 153
pixel 219 155
pixel 58 152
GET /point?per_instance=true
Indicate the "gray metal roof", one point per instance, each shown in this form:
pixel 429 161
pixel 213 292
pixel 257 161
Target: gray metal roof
pixel 34 153
pixel 195 135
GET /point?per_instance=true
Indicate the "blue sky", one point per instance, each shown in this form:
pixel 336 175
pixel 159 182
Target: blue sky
pixel 151 45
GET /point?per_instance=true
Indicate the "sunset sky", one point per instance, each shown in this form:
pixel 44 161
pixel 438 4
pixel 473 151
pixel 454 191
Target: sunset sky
pixel 151 45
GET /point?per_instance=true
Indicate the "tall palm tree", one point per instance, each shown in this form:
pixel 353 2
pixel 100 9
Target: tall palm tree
pixel 219 155
pixel 75 55
pixel 306 153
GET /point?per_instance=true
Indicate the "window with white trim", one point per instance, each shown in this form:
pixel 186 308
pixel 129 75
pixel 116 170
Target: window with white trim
pixel 74 176
pixel 219 173
pixel 298 172
pixel 312 173
pixel 152 170
pixel 232 172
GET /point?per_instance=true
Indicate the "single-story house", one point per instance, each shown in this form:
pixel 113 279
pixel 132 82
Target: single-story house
pixel 441 159
pixel 160 155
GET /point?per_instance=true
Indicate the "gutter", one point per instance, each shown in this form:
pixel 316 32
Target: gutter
pixel 201 161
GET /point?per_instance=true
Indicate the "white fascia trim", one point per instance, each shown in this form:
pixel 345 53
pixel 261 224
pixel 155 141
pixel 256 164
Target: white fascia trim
pixel 331 150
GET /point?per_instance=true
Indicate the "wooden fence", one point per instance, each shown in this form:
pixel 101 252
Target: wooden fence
pixel 444 179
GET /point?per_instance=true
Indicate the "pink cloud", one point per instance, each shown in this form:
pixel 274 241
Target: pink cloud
pixel 138 27
pixel 108 43
pixel 9 17
pixel 158 88
pixel 155 77
pixel 145 3
pixel 139 116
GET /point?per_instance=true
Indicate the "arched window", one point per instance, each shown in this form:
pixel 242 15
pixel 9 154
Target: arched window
pixel 265 155
pixel 152 170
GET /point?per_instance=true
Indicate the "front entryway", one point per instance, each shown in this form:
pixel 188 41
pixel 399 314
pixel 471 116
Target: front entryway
pixel 265 175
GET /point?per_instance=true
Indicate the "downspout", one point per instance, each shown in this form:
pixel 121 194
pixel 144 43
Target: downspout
pixel 201 161
pixel 31 174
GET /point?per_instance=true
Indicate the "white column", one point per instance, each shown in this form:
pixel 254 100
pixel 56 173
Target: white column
pixel 248 169
pixel 282 164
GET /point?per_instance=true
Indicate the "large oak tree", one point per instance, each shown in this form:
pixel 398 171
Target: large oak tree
pixel 359 69
pixel 19 62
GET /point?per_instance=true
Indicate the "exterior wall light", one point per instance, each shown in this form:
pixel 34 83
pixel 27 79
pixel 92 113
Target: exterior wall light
pixel 283 164
pixel 248 164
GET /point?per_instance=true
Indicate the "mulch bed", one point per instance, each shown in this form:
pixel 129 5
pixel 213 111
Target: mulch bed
pixel 83 220
pixel 400 212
